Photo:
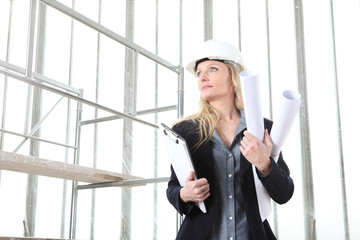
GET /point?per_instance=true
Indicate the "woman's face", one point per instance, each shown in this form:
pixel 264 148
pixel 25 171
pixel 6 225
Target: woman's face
pixel 214 81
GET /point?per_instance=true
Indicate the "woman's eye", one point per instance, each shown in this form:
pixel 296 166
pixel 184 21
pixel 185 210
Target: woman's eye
pixel 213 69
pixel 198 74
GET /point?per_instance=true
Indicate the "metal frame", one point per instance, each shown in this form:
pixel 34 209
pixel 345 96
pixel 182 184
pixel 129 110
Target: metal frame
pixel 208 19
pixel 340 143
pixel 130 93
pixel 36 79
pixel 273 204
pixel 308 189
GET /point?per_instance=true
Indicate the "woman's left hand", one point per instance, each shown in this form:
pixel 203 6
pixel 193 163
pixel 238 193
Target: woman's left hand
pixel 257 152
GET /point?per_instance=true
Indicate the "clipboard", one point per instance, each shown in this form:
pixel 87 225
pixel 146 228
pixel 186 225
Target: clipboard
pixel 179 156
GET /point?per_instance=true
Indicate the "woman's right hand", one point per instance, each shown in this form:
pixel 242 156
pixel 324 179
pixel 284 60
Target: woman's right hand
pixel 195 190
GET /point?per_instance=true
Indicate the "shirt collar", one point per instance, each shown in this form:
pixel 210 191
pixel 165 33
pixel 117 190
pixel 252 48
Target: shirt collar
pixel 242 124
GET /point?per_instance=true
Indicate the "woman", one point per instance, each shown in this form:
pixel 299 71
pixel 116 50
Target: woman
pixel 223 152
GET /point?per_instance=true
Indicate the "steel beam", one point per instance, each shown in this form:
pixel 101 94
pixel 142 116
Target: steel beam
pixel 340 143
pixel 144 112
pixel 40 77
pixel 307 178
pixel 208 19
pixel 73 97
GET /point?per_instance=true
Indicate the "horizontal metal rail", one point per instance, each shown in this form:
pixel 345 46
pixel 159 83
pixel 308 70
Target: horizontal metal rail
pixel 36 138
pixel 70 96
pixel 52 82
pixel 111 34
pixel 39 77
pixel 126 183
pixel 12 67
pixel 148 111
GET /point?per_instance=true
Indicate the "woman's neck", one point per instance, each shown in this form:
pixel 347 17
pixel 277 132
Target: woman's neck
pixel 229 118
pixel 226 109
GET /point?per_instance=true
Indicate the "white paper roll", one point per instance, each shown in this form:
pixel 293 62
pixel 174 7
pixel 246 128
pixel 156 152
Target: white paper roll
pixel 252 103
pixel 255 125
pixel 283 121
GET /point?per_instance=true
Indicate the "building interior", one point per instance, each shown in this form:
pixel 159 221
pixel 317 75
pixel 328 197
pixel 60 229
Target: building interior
pixel 85 85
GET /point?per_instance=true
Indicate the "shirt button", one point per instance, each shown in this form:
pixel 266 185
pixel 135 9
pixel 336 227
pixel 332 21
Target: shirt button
pixel 230 155
pixel 230 196
pixel 230 175
pixel 231 238
pixel 230 218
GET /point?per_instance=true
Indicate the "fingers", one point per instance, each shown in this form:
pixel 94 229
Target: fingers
pixel 255 151
pixel 203 191
pixel 195 190
pixel 202 197
pixel 249 143
pixel 201 186
pixel 191 177
pixel 249 138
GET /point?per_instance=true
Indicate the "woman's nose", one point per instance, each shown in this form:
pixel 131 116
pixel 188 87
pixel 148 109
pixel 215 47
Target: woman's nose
pixel 204 77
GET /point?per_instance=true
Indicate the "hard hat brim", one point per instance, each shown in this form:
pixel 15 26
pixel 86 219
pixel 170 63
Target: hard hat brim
pixel 191 66
pixel 217 50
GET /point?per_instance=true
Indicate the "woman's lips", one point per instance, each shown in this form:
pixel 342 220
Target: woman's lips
pixel 205 87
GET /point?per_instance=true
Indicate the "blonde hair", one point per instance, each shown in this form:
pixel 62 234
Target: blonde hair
pixel 207 117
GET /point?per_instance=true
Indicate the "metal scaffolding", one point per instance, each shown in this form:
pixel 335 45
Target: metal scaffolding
pixel 38 82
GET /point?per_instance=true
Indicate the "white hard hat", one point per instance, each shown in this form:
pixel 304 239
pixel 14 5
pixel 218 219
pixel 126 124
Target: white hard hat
pixel 217 50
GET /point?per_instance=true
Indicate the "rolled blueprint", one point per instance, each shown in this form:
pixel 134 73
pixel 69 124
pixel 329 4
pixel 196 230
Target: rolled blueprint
pixel 283 121
pixel 255 125
pixel 290 104
pixel 252 103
